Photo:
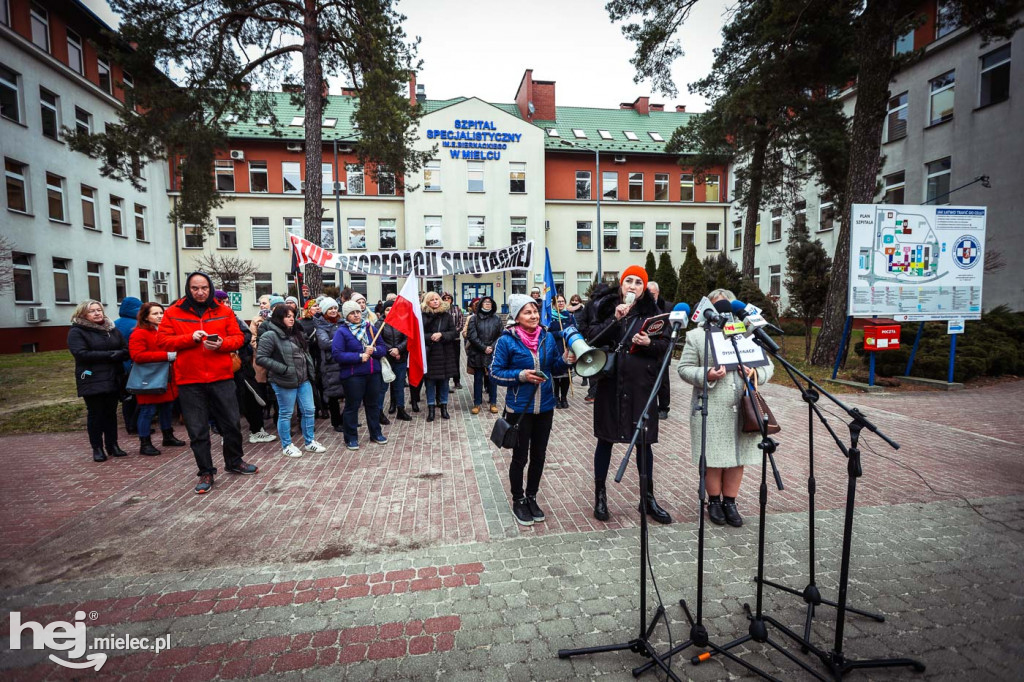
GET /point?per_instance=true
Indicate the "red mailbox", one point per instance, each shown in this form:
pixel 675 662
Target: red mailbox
pixel 882 337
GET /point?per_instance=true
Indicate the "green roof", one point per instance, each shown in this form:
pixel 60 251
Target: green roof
pixel 339 108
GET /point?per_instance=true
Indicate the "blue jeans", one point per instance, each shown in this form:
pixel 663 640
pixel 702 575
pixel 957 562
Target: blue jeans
pixel 437 391
pixel 146 413
pixel 286 404
pixel 479 378
pixel 364 390
pixel 397 387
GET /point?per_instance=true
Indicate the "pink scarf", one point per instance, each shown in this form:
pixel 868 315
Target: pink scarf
pixel 531 339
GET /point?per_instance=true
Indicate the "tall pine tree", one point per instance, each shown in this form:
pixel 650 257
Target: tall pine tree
pixel 691 287
pixel 807 278
pixel 665 276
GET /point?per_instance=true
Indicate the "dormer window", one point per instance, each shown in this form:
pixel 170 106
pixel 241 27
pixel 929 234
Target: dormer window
pixel 630 135
pixel 330 122
pixel 297 121
pixel 605 135
pixel 656 137
pixel 579 133
pixel 553 132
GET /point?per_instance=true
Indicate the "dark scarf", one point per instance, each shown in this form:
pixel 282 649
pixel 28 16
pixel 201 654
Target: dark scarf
pixel 192 305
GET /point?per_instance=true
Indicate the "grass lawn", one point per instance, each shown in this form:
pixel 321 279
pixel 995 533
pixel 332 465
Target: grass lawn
pixel 37 393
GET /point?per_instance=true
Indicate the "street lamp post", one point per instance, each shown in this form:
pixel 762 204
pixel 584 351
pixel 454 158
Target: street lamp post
pixel 597 194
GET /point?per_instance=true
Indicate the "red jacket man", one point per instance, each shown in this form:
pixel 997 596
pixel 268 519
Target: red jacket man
pixel 204 333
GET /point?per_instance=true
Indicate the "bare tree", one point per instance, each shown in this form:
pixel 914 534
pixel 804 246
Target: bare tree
pixel 6 264
pixel 994 260
pixel 227 272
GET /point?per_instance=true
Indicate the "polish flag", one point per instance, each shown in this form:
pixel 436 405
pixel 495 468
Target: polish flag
pixel 407 317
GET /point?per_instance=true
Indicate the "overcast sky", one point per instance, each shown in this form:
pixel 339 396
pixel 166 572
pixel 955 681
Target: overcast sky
pixel 482 49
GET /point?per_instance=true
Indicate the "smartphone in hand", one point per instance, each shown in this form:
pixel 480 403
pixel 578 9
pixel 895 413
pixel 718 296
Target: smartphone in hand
pixel 541 374
pixel 212 337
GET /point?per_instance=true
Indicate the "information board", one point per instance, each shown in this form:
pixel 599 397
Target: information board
pixel 912 263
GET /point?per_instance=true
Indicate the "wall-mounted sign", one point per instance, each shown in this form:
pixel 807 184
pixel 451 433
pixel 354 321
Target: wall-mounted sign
pixel 474 140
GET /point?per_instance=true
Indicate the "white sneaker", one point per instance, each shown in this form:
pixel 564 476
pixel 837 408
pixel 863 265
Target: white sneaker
pixel 292 451
pixel 262 436
pixel 315 447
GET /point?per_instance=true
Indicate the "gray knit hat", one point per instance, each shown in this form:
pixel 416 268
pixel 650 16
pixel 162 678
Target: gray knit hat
pixel 327 303
pixel 516 303
pixel 350 307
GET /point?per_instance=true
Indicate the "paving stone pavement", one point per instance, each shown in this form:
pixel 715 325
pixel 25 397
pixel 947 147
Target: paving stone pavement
pixel 403 561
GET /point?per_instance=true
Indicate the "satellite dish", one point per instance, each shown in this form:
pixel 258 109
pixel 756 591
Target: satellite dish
pixel 530 108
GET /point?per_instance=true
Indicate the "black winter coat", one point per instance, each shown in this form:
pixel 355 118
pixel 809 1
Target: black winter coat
pixel 621 398
pixel 330 376
pixel 484 330
pixel 101 352
pixel 442 356
pixel 395 339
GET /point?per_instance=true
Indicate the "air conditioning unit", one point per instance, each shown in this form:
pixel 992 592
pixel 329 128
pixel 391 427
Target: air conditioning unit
pixel 294 146
pixel 34 315
pixel 238 155
pixel 160 288
pixel 302 186
pixel 339 186
pixel 620 158
pixel 160 275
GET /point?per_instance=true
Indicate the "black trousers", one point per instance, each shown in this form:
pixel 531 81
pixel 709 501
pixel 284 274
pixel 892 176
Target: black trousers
pixel 130 411
pixel 246 400
pixel 101 418
pixel 334 406
pixel 562 387
pixel 664 394
pixel 199 404
pixel 603 457
pixel 534 430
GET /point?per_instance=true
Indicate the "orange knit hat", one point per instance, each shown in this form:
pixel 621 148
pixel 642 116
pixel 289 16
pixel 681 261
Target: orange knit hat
pixel 635 270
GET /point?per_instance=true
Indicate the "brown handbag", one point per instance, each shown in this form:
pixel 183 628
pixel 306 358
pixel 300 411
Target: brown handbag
pixel 750 423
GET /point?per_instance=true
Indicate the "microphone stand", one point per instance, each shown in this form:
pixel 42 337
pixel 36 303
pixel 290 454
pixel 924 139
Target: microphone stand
pixel 698 633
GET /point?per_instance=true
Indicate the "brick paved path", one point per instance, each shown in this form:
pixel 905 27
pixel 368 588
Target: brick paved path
pixel 403 560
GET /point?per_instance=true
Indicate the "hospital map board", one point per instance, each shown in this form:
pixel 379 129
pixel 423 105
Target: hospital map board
pixel 913 263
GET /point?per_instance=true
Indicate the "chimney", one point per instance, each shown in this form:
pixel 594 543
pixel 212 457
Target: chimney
pixel 524 95
pixel 680 108
pixel 323 88
pixel 421 93
pixel 412 87
pixel 641 105
pixel 349 92
pixel 657 107
pixel 291 87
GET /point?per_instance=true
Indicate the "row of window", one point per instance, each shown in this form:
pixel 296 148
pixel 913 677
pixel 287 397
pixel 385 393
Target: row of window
pixel 63 269
pixel 994 87
pixel 581 134
pixel 635 191
pixel 662 232
pixel 50 112
pixel 291 178
pixel 19 200
pixel 227 233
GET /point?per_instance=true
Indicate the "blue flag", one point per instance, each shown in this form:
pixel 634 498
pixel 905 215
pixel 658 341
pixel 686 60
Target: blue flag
pixel 548 291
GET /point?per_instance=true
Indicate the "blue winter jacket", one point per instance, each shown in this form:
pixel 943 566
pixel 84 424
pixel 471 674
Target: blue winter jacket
pixel 511 356
pixel 127 320
pixel 346 350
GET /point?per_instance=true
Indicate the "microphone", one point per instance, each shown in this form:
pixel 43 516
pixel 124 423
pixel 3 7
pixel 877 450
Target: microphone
pixel 630 297
pixel 754 321
pixel 679 318
pixel 712 316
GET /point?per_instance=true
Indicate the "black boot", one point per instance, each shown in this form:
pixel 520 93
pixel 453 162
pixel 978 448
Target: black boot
pixel 444 411
pixel 146 447
pixel 403 415
pixel 600 503
pixel 430 412
pixel 653 509
pixel 732 514
pixel 393 408
pixel 171 441
pixel 116 451
pixel 98 455
pixel 715 512
pixel 415 406
pixel 384 421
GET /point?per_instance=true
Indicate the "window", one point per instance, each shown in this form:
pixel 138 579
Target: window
pixel 610 236
pixel 15 174
pixel 656 136
pixel 611 277
pixel 432 176
pixel 359 284
pixel 757 277
pixel 61 280
pixel 116 211
pixel 775 280
pixel 711 187
pixel 193 237
pixel 475 175
pixel 357 233
pixel 329 278
pixel 24 287
pixel 945 18
pixel 475 232
pixel 330 122
pixel 144 285
pixel 661 186
pixel 5 16
pixel 263 284
pixel 894 186
pixel 941 101
pixel 636 186
pixel 937 188
pixel 712 236
pixel 292 226
pixel 559 279
pixel 106 83
pixel 385 184
pixel 579 134
pixel 686 187
pixel 776 233
pixel 74 52
pixel 583 235
pixel 120 283
pixel 326 179
pixel 517 178
pixel 94 277
pixel 327 233
pixel 552 132
pixel 896 118
pixel 432 231
pixel 904 44
pixel 605 135
pixel 686 231
pixel 636 236
pixel 56 208
pixel 354 179
pixel 995 77
pixel 661 231
pixel 584 278
pixel 126 80
pixel 298 121
pixel 88 207
pixel 388 233
pixel 583 184
pixel 83 121
pixel 519 282
pixel 10 94
pixel 49 111
pixel 757 233
pixel 260 228
pixel 140 222
pixel 227 235
pixel 40 21
pixel 630 135
pixel 826 214
pixel 436 284
pixel 800 214
pixel 518 229
pixel 291 177
pixel 224 171
pixel 258 176
pixel 609 185
pixel 737 234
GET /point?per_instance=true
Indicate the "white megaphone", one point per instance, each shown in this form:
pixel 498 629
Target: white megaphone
pixel 589 361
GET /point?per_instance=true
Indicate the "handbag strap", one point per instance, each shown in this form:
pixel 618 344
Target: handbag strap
pixel 515 394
